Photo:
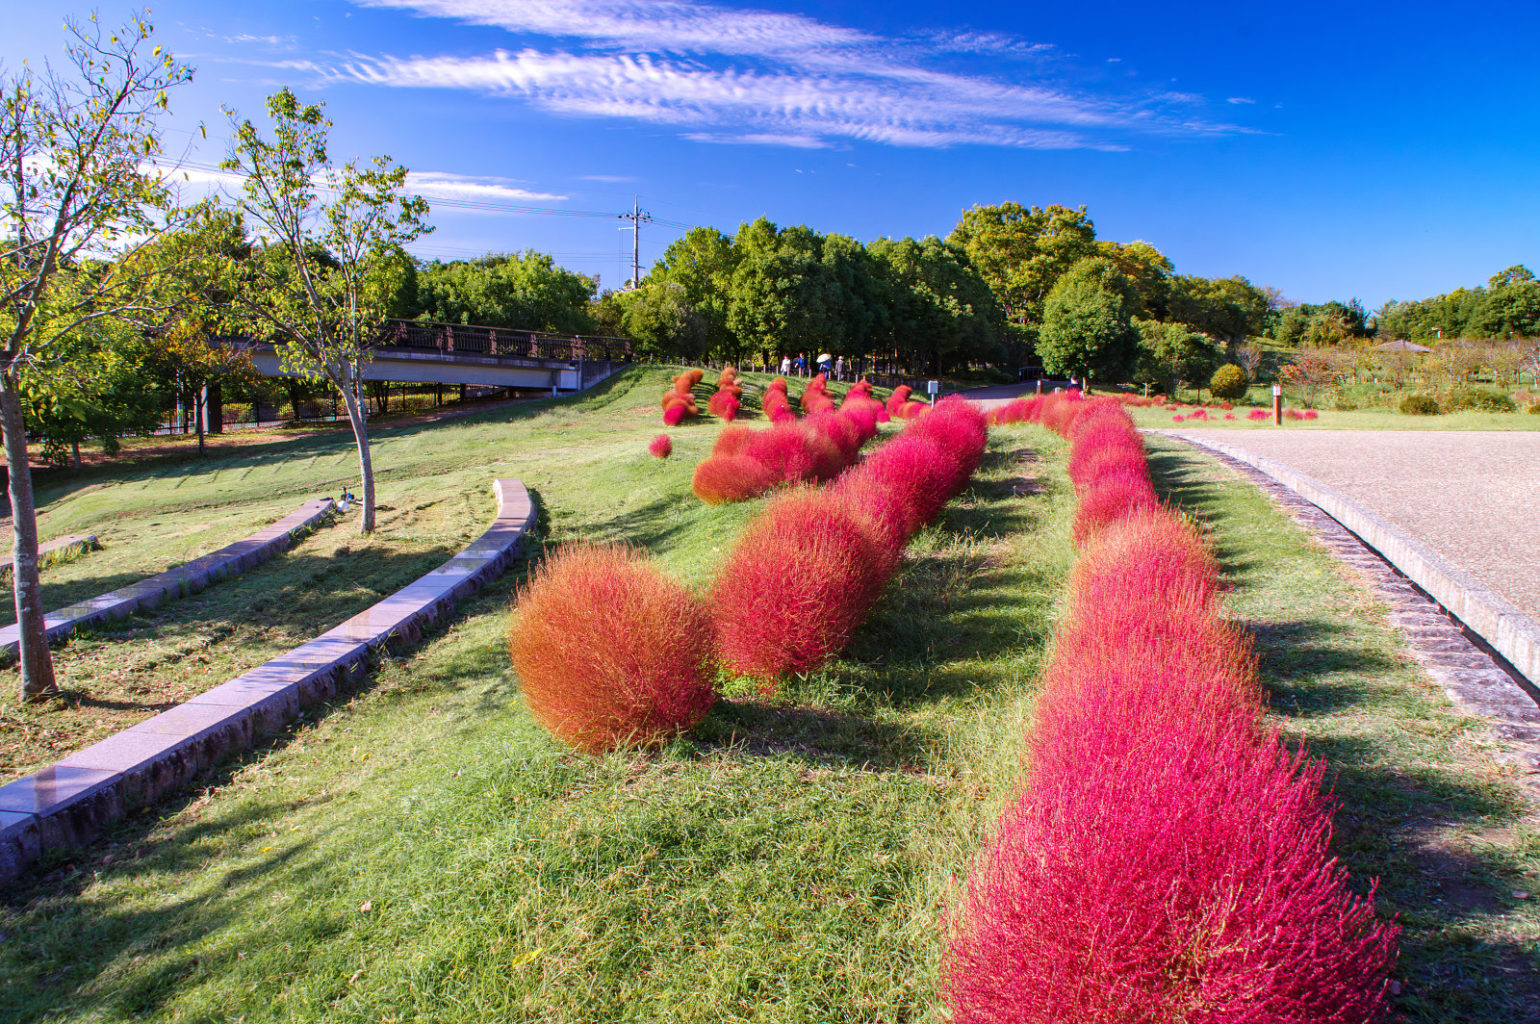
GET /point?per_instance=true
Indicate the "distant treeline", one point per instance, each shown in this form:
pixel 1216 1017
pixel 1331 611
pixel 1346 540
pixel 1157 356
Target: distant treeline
pixel 998 289
pixel 1507 308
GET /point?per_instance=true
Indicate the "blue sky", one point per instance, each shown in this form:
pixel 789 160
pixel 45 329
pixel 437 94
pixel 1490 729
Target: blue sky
pixel 1331 150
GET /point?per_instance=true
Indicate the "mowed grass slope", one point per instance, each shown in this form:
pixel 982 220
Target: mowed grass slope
pixel 580 458
pixel 426 852
pixel 422 851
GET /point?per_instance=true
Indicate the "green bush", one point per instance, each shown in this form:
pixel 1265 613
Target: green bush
pixel 1229 383
pixel 1534 410
pixel 1482 399
pixel 1420 405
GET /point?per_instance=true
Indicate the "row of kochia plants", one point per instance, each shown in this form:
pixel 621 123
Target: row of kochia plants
pixel 612 652
pixel 1166 855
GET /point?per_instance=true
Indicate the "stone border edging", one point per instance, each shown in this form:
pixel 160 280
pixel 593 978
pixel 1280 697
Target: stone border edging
pixel 68 803
pixel 187 578
pixel 1488 614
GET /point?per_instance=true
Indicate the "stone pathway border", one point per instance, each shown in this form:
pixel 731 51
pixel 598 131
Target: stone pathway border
pixel 1456 657
pixel 187 578
pixel 66 804
pixel 1488 614
pixel 84 541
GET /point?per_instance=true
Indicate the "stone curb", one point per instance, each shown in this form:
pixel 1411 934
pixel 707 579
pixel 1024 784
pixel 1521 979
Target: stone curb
pixel 67 804
pixel 1486 613
pixel 187 578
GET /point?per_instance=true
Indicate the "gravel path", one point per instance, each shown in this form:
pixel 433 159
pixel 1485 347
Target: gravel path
pixel 1474 497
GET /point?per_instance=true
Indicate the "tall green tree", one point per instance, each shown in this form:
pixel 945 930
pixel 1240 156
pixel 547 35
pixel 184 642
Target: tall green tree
pixel 663 323
pixel 782 298
pixel 1022 252
pixel 1172 355
pixel 702 263
pixel 1148 269
pixel 1088 326
pixel 77 185
pixel 523 291
pixel 940 311
pixel 1228 308
pixel 326 270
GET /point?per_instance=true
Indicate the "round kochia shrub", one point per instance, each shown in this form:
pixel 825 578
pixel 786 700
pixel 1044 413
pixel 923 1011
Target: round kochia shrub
pixel 609 651
pixel 662 446
pixel 1229 383
pixel 800 579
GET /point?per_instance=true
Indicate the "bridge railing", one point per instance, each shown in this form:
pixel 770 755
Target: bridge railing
pixel 502 342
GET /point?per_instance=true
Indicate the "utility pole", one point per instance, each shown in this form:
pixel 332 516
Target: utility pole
pixel 637 218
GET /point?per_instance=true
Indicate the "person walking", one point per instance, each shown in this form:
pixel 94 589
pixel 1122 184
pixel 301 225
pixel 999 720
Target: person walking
pixel 839 368
pixel 785 365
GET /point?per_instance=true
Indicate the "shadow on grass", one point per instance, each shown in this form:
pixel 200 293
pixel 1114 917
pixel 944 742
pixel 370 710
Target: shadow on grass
pixel 39 971
pixel 815 735
pixel 54 484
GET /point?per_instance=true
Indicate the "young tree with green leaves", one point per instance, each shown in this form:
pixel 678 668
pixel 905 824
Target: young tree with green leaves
pixel 1088 326
pixel 325 271
pixel 79 198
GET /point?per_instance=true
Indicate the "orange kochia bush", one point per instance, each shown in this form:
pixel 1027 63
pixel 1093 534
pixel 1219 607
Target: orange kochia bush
pixel 610 651
pixel 679 400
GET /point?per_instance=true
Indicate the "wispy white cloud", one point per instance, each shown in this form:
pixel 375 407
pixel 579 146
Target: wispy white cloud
pixel 608 179
pixel 431 185
pixel 282 41
pixel 728 75
pixel 444 185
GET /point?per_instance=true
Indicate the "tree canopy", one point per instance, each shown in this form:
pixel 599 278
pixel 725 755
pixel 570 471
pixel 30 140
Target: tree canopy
pixel 1088 326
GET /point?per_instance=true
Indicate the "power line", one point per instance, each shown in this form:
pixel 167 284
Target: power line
pixel 637 217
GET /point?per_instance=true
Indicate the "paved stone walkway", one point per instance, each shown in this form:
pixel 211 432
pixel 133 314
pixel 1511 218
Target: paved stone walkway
pixel 1471 496
pixel 1476 680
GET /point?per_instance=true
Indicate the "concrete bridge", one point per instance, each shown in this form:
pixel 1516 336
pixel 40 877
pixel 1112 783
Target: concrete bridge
pixel 432 353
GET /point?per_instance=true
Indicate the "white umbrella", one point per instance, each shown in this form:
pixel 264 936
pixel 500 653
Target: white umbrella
pixel 823 357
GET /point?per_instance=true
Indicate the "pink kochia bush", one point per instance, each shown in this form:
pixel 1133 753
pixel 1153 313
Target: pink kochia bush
pixel 1167 858
pixel 806 572
pixel 1107 466
pixel 662 446
pixel 776 405
pixel 610 652
pixel 1258 414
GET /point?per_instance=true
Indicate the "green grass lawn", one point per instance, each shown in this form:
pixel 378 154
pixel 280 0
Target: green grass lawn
pixel 423 851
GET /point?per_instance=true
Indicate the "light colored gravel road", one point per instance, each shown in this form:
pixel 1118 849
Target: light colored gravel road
pixel 1473 497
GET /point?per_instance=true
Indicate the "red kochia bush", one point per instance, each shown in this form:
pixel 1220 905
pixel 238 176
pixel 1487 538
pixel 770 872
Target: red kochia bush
pixel 959 428
pixel 1165 860
pixel 801 577
pixel 1258 414
pixel 723 405
pixel 897 399
pixel 662 446
pixel 610 652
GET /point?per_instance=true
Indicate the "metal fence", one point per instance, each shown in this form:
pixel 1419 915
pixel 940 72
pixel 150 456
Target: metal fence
pixel 503 343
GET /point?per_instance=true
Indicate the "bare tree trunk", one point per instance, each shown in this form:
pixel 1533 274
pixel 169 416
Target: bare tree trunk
pixel 356 417
pixel 36 661
pixel 200 410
